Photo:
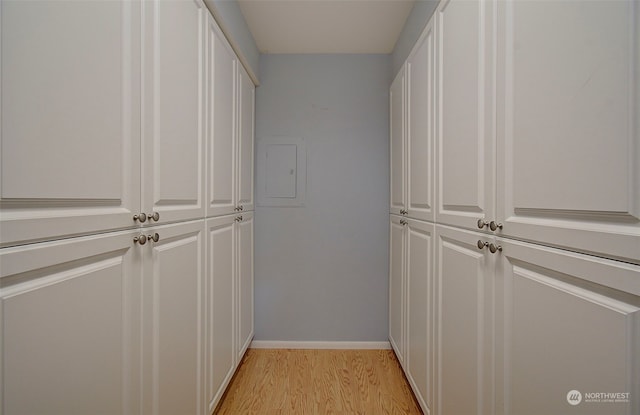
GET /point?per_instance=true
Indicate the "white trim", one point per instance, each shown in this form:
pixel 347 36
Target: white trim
pixel 275 344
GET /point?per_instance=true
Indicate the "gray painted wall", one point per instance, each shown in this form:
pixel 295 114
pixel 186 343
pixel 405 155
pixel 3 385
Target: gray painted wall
pixel 321 271
pixel 417 20
pixel 232 22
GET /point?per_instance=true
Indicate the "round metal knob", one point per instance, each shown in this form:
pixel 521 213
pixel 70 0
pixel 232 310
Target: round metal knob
pixel 482 223
pixel 142 239
pixel 403 212
pixel 155 237
pixel 494 248
pixel 493 225
pixel 403 222
pixel 155 216
pixel 241 207
pixel 141 217
pixel 239 219
pixel 481 245
pixel 237 208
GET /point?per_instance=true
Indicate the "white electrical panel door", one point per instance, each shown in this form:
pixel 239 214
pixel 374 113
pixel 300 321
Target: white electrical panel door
pixel 70 108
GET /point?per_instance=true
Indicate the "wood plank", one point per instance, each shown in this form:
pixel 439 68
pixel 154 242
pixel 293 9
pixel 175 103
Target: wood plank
pixel 288 382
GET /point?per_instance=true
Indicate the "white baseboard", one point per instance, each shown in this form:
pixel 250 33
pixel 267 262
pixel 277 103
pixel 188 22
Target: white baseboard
pixel 274 344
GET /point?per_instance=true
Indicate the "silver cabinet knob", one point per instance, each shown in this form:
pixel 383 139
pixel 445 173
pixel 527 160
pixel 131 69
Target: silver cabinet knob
pixel 482 223
pixel 494 248
pixel 141 217
pixel 403 212
pixel 154 216
pixel 239 219
pixel 403 222
pixel 241 208
pixel 155 237
pixel 481 245
pixel 493 225
pixel 142 239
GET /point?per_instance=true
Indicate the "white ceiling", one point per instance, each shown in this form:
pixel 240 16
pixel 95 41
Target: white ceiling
pixel 325 26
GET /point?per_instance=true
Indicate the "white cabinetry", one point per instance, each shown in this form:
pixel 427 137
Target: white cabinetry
pixel 465 281
pixel 568 132
pixel 103 324
pixel 465 115
pixel 231 114
pixel 565 321
pixel 411 303
pixel 173 317
pixel 70 133
pixel 173 94
pixel 229 318
pixel 412 100
pixel 70 326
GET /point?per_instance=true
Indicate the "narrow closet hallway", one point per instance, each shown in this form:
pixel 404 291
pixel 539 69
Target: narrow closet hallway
pixel 319 207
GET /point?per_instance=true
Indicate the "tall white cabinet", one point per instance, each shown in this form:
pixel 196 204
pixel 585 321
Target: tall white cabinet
pixel 536 243
pixel 112 284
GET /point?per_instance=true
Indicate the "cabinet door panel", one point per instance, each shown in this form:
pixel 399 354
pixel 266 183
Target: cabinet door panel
pixel 420 300
pixel 397 148
pixel 465 131
pixel 220 319
pixel 421 127
pixel 397 288
pixel 245 140
pixel 70 132
pixel 70 327
pixel 244 231
pixel 221 163
pixel 173 332
pixel 569 159
pixel 173 109
pixel 564 327
pixel 465 333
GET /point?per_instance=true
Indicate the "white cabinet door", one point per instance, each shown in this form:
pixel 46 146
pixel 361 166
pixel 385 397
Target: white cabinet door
pixel 173 109
pixel 245 140
pixel 464 287
pixel 397 287
pixel 221 116
pixel 397 148
pixel 70 326
pixel 465 114
pixel 173 292
pixel 70 109
pixel 244 278
pixel 566 322
pixel 420 302
pixel 220 318
pixel 421 127
pixel 568 99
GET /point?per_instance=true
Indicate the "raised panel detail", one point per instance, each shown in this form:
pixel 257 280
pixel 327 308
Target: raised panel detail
pixel 70 330
pixel 221 317
pixel 421 126
pixel 569 160
pixel 70 108
pixel 222 127
pixel 173 332
pixel 465 332
pixel 396 288
pixel 420 316
pixel 465 138
pixel 562 332
pixel 245 140
pixel 245 283
pixel 173 110
pixel 397 131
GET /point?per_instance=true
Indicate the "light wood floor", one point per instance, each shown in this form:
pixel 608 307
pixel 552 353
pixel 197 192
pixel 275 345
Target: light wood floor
pixel 318 382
